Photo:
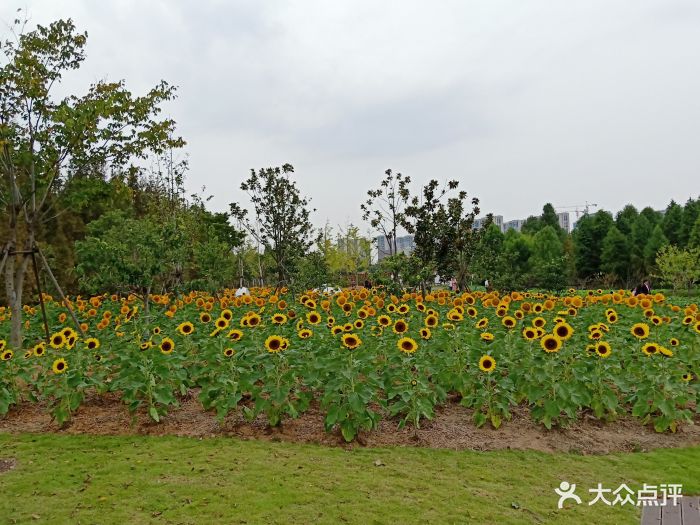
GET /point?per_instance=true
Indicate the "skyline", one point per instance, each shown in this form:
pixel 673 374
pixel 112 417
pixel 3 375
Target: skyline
pixel 523 104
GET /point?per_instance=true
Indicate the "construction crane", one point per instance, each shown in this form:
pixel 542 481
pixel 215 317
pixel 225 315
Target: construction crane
pixel 578 209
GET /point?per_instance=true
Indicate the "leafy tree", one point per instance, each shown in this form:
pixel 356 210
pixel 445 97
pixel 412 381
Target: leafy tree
pixel 678 267
pixel 490 258
pixel 515 261
pixel 672 221
pixel 615 256
pixel 638 239
pixel 691 212
pixel 549 217
pixel 657 241
pixel 45 142
pixel 588 238
pixel 282 217
pixel 694 238
pixel 626 219
pixel 384 209
pixel 547 259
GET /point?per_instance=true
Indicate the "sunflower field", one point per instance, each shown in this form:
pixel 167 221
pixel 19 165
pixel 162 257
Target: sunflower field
pixel 362 355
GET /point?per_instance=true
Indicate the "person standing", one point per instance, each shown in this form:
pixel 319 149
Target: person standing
pixel 644 288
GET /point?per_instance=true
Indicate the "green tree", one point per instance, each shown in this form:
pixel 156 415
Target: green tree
pixel 657 241
pixel 384 209
pixel 45 141
pixel 694 238
pixel 678 267
pixel 626 218
pixel 615 256
pixel 671 223
pixel 691 212
pixel 282 222
pixel 547 260
pixel 588 238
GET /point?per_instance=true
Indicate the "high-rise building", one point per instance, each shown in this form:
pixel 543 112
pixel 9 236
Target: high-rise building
pixel 515 224
pixel 404 244
pixel 564 221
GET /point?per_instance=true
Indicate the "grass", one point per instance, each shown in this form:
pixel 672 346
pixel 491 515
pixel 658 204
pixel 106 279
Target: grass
pixel 87 479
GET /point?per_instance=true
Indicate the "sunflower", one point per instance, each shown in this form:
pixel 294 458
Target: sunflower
pixel 6 355
pixel 304 333
pixel 486 336
pixel 674 341
pixel 347 327
pixel 384 320
pixel 550 343
pixel 487 364
pixel 222 323
pixel 59 366
pixel 697 327
pixel 274 344
pixel 640 330
pixel 650 349
pixel 226 314
pixel 98 357
pixel 529 334
pixel 3 344
pixel 612 317
pixel 337 329
pixel 279 319
pixel 40 349
pixel 146 345
pixel 687 377
pixel 454 315
pixel 167 345
pixel 509 321
pixel 688 319
pixel 431 321
pixel 359 324
pixel 351 341
pixel 665 351
pixel 57 340
pixel 448 326
pixel 603 349
pixel 28 354
pixel 92 343
pixel 482 323
pixel 228 352
pixel 235 335
pixel 400 327
pixel 563 331
pixel 403 309
pixel 407 345
pixel 252 319
pixel 156 330
pixel 595 335
pixel 185 328
pixel 313 317
pixel 539 322
pixel 425 333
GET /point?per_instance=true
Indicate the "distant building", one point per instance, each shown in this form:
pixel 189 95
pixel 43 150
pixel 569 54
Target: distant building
pixel 564 222
pixel 515 224
pixel 497 220
pixel 404 244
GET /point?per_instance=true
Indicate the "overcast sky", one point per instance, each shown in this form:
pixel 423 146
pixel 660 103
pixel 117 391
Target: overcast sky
pixel 523 102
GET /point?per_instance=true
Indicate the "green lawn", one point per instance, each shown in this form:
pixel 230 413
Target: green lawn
pixel 86 479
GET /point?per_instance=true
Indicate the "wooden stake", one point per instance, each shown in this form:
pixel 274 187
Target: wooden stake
pixel 41 297
pixel 60 291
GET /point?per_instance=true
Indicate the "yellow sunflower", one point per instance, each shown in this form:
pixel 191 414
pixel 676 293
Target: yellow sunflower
pixel 487 364
pixel 351 341
pixel 274 344
pixel 185 328
pixel 407 345
pixel 640 330
pixel 550 343
pixel 59 366
pixel 603 349
pixel 167 345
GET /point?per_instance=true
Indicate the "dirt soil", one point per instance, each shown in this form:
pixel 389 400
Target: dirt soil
pixel 7 464
pixel 452 428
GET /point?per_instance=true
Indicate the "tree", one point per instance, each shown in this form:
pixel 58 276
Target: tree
pixel 657 241
pixel 384 209
pixel 638 238
pixel 489 259
pixel 615 257
pixel 678 267
pixel 626 218
pixel 691 212
pixel 547 259
pixel 694 238
pixel 45 142
pixel 433 223
pixel 282 217
pixel 671 223
pixel 588 238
